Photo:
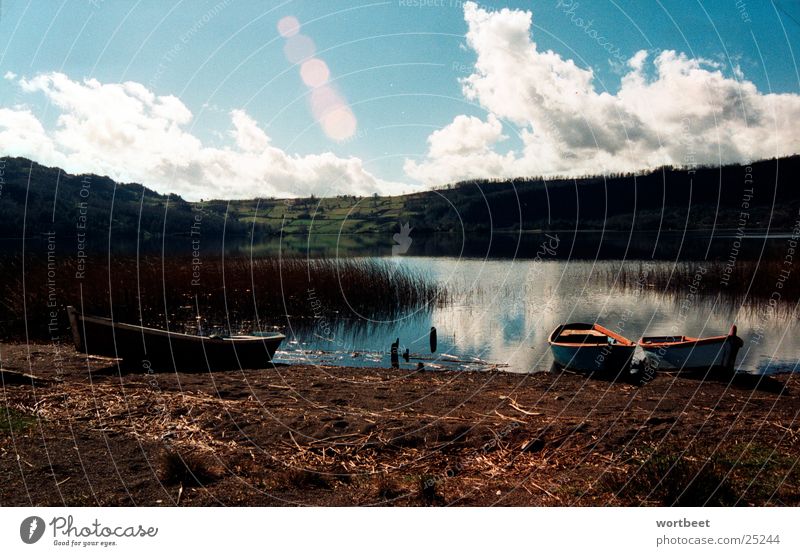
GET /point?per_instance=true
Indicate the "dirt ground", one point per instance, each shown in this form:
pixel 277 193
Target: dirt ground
pixel 84 434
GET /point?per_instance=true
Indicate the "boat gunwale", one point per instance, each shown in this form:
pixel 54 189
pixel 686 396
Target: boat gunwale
pixel 239 339
pixel 687 342
pixel 622 341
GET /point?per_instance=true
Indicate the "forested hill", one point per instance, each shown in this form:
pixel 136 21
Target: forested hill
pixel 755 196
pixel 39 199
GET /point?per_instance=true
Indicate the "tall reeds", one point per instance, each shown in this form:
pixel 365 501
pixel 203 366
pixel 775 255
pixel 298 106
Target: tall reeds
pixel 237 295
pixel 747 282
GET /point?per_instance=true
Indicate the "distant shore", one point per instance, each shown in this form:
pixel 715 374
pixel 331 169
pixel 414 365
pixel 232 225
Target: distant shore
pixel 81 434
pixel 653 199
pixel 754 232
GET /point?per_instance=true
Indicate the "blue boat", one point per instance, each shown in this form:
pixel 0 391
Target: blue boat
pixel 590 348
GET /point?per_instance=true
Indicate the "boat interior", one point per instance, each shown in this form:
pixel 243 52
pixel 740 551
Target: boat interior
pixel 666 340
pixel 588 337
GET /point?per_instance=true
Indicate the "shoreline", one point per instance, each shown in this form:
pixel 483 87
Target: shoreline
pixel 306 435
pixel 752 233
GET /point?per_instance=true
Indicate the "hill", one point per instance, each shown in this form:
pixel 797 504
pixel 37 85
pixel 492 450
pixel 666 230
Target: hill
pixel 39 199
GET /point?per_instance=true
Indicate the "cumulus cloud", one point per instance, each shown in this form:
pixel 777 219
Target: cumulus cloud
pixel 249 137
pixel 465 146
pixel 130 133
pixel 22 132
pixel 467 135
pixel 671 110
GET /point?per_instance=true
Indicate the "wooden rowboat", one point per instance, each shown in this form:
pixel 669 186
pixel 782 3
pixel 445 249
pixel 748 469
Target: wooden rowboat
pixel 151 349
pixel 686 353
pixel 590 348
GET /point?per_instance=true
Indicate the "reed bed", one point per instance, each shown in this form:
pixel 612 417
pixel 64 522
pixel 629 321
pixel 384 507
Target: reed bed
pixel 235 294
pixel 748 283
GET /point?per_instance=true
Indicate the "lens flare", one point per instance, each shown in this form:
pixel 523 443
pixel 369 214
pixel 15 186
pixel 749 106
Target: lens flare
pixel 299 48
pixel 288 26
pixel 323 100
pixel 339 124
pixel 315 72
pixel 329 108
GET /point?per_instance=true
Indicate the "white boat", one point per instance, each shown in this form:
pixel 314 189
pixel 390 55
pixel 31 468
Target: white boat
pixel 685 353
pixel 590 348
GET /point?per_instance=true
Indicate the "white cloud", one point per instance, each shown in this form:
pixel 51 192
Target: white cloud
pixel 676 110
pixel 465 136
pixel 248 135
pixel 20 131
pixel 465 147
pixel 128 132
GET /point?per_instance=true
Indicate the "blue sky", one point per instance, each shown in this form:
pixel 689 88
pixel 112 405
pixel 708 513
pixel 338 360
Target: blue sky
pixel 399 66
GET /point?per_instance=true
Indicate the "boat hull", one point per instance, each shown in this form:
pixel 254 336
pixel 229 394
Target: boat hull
pixel 590 348
pixel 589 359
pixel 693 355
pixel 150 349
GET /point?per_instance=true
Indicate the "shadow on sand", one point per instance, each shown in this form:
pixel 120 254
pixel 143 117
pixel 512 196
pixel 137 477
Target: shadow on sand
pixel 640 374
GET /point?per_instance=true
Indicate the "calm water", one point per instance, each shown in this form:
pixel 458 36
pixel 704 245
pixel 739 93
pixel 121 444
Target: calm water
pixel 510 291
pixel 504 310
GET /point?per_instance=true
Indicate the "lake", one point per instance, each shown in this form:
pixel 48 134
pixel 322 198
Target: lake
pixel 508 295
pixel 503 312
pixel 507 292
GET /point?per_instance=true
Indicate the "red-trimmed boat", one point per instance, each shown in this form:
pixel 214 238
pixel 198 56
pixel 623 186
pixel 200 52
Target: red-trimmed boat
pixel 687 353
pixel 589 348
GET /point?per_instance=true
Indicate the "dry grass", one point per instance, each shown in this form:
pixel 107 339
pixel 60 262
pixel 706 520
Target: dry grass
pixel 744 474
pixel 236 295
pixel 676 479
pixel 12 421
pixel 441 438
pixel 188 468
pixel 745 282
pixel 302 479
pixel 428 492
pixel 388 490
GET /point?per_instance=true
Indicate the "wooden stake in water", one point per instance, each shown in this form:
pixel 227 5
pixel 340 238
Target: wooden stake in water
pixel 394 354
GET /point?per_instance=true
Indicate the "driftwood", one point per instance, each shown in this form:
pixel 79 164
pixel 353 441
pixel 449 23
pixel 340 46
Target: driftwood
pixel 15 377
pixel 460 432
pixel 513 403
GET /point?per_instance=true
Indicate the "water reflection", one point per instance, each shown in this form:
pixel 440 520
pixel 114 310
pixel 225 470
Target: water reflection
pixel 507 295
pixel 503 312
pixel 584 245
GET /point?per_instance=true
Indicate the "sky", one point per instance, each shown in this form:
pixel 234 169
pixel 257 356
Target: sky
pixel 238 98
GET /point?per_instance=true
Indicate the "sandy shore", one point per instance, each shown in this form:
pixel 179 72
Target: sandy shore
pixel 300 435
